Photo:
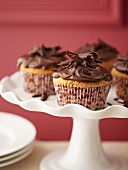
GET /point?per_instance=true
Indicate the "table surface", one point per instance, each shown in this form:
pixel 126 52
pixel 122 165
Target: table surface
pixel 42 148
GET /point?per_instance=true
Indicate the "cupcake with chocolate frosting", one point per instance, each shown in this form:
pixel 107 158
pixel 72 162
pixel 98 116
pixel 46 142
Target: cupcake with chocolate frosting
pixel 120 73
pixel 36 68
pixel 81 80
pixel 108 54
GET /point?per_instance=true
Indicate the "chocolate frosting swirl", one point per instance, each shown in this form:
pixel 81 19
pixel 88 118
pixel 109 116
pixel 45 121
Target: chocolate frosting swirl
pixel 122 64
pixel 82 68
pixel 105 51
pixel 42 57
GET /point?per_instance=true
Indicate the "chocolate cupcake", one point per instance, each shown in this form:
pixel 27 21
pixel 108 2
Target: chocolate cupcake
pixel 120 73
pixel 36 68
pixel 108 54
pixel 82 81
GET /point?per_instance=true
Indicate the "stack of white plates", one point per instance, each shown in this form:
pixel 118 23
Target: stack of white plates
pixel 17 137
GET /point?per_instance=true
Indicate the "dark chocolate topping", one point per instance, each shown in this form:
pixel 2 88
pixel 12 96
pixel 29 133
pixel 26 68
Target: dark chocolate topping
pixel 105 51
pixel 42 57
pixel 122 64
pixel 82 69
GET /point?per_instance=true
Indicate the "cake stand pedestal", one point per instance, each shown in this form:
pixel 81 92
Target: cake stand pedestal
pixel 85 151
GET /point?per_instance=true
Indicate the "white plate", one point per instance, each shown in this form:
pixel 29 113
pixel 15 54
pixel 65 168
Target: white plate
pixel 11 89
pixel 16 159
pixel 15 133
pixel 17 153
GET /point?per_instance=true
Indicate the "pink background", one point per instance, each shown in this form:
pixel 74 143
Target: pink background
pixel 68 24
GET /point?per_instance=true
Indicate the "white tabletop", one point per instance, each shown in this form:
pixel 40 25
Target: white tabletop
pixel 42 148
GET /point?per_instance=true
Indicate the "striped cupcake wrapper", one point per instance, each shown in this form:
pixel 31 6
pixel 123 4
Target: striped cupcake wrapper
pixel 121 88
pixel 93 98
pixel 38 84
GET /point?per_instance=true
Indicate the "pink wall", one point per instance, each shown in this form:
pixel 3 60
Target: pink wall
pixel 23 25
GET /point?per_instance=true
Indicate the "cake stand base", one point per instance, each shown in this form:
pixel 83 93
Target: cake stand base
pixel 84 151
pixel 53 162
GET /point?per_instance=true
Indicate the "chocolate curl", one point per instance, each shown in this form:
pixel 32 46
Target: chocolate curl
pixel 44 51
pixel 75 57
pixel 91 59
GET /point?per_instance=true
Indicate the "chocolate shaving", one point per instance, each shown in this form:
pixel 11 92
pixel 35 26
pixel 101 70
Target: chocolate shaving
pixel 42 57
pixel 82 68
pixel 109 104
pixel 116 99
pixel 121 101
pixel 122 64
pixel 36 95
pixel 44 51
pixel 126 103
pixel 44 96
pixel 105 51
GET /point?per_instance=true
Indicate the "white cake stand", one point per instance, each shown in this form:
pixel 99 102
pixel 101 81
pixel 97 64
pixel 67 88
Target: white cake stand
pixel 84 151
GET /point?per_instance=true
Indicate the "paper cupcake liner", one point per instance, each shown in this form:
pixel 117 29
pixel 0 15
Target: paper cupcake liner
pixel 38 84
pixel 121 88
pixel 93 98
